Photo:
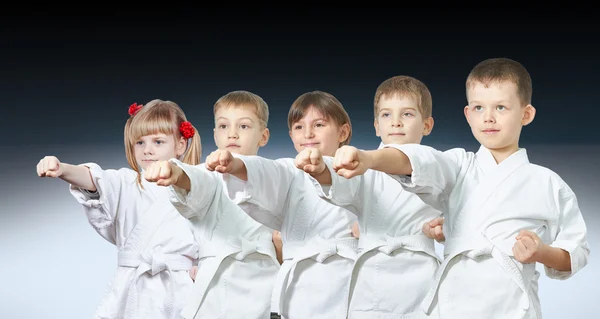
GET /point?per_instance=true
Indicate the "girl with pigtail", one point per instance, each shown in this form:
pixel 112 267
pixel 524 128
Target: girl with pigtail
pixel 156 246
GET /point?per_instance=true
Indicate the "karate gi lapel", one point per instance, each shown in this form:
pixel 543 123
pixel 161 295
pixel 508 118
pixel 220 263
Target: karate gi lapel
pixel 156 208
pixel 472 216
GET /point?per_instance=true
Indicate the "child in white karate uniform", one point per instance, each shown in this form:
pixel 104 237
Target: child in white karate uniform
pixel 395 255
pixel 318 247
pixel 238 264
pixel 503 213
pixel 156 246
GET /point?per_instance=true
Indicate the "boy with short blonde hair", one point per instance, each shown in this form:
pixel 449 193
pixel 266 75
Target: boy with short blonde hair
pixel 405 86
pixel 503 214
pixel 243 98
pixel 237 253
pixel 395 255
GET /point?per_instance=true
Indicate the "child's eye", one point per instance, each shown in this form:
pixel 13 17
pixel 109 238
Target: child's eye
pixel 298 127
pixel 139 143
pixel 244 126
pixel 159 142
pixel 500 107
pixel 478 108
pixel 319 125
pixel 385 114
pixel 222 126
pixel 408 114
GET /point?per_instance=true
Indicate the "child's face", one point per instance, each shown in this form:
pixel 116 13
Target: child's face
pixel 315 130
pixel 399 121
pixel 157 147
pixel 496 115
pixel 238 130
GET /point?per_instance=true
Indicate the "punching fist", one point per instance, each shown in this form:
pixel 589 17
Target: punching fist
pixel 220 161
pixel 164 173
pixel 350 161
pixel 49 166
pixel 310 161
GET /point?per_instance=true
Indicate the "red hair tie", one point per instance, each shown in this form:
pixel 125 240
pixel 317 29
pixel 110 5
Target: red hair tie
pixel 134 108
pixel 186 129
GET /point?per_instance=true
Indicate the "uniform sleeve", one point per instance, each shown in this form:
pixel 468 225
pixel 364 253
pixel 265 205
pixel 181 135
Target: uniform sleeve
pixel 102 206
pixel 267 189
pixel 204 187
pixel 571 234
pixel 344 192
pixel 434 173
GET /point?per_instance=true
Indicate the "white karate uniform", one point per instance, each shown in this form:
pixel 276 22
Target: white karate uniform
pixel 487 204
pixel 156 246
pixel 237 265
pixel 397 262
pixel 318 247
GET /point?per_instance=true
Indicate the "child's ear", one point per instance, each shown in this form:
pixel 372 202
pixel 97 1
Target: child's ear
pixel 215 136
pixel 466 110
pixel 428 126
pixel 181 146
pixel 376 125
pixel 264 139
pixel 344 132
pixel 528 114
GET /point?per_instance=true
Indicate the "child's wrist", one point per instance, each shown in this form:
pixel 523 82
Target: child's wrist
pixel 543 252
pixel 238 165
pixel 367 158
pixel 319 172
pixel 178 173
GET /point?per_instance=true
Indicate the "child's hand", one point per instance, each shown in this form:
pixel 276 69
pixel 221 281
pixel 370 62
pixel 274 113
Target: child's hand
pixel 220 161
pixel 355 230
pixel 349 161
pixel 528 247
pixel 310 161
pixel 49 166
pixel 433 229
pixel 193 273
pixel 164 173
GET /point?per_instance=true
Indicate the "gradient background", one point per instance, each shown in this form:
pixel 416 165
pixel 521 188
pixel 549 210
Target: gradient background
pixel 67 84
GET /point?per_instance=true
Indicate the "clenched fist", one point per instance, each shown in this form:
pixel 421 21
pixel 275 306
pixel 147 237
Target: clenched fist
pixel 310 161
pixel 220 161
pixel 434 229
pixel 164 173
pixel 528 247
pixel 350 161
pixel 49 166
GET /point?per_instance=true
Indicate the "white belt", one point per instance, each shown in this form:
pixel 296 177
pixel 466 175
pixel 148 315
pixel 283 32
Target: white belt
pixel 238 248
pixel 318 248
pixel 153 263
pixel 389 244
pixel 473 247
